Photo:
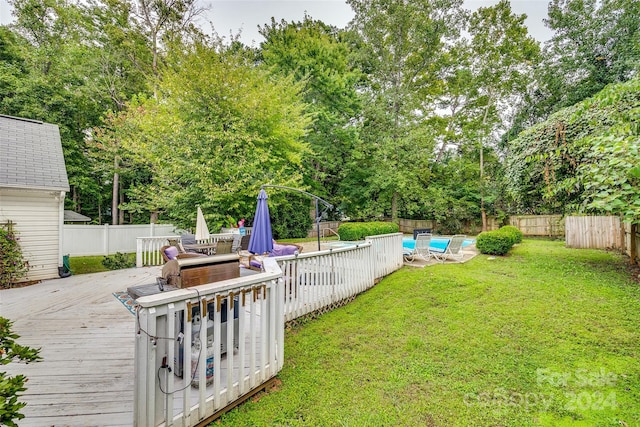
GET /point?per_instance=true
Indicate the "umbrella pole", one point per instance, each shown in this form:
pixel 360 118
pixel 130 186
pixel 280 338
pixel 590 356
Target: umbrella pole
pixel 318 224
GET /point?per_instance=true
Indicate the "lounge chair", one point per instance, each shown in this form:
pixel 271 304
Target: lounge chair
pixel 224 247
pixel 170 252
pixel 454 248
pixel 254 261
pixel 421 249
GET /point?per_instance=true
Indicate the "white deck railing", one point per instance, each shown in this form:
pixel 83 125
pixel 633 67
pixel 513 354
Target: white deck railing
pixel 254 357
pixel 148 248
pixel 259 305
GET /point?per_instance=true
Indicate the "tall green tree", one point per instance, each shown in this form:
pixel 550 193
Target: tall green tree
pixel 503 57
pixel 53 85
pixel 220 128
pixel 582 159
pixel 595 43
pixel 316 55
pixel 402 43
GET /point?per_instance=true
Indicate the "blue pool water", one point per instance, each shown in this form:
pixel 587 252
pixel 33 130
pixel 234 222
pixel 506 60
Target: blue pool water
pixel 436 243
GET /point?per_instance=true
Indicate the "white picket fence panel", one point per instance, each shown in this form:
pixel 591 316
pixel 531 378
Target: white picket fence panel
pixel 289 287
pixel 89 240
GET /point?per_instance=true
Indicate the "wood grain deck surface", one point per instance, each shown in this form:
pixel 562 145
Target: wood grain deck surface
pixel 86 338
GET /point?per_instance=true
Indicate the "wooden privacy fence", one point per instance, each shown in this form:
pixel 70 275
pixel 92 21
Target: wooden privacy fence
pixel 539 225
pixel 602 232
pixel 594 232
pixel 530 225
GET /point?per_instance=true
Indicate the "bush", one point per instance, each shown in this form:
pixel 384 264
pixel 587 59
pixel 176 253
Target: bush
pixel 12 264
pixel 118 261
pixel 352 231
pixel 290 219
pixel 514 232
pixel 11 386
pixel 494 242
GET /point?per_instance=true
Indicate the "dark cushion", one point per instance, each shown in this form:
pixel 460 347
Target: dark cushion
pixel 188 239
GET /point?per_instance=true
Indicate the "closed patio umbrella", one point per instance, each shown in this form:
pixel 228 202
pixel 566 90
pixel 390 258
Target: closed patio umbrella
pixel 202 231
pixel 261 240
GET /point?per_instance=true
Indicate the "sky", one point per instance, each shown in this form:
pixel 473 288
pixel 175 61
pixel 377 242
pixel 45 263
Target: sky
pixel 246 15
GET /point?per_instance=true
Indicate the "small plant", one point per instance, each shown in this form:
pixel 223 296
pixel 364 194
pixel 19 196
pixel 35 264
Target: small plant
pixel 117 261
pixel 11 386
pixel 12 264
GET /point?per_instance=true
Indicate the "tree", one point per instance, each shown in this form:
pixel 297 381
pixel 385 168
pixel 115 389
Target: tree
pixel 595 43
pixel 503 55
pixel 219 129
pixel 315 54
pixel 401 46
pixel 582 158
pixel 165 22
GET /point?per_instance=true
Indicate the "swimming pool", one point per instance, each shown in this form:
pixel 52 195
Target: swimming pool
pixel 436 243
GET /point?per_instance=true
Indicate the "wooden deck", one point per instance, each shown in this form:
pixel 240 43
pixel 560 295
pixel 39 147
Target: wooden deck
pixel 87 341
pixel 87 338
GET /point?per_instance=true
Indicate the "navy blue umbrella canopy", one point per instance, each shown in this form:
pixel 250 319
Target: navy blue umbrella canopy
pixel 261 240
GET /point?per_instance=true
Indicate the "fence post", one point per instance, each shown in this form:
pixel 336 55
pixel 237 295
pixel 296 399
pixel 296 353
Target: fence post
pixel 138 252
pixel 632 248
pixel 105 240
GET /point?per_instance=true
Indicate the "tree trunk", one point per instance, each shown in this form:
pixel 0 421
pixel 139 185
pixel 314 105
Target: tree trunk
pixel 483 211
pixel 120 211
pixel 114 196
pixel 394 206
pixel 154 217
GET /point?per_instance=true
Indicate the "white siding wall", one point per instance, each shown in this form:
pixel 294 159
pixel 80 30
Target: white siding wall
pixel 36 218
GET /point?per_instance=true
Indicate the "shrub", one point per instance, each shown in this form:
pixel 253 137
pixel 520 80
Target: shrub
pixel 290 219
pixel 514 232
pixel 118 261
pixel 494 242
pixel 11 386
pixel 352 231
pixel 12 264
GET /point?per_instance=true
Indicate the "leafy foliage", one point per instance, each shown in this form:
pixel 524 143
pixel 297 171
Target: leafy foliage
pixel 13 266
pixel 10 387
pixel 220 129
pixel 353 231
pixel 514 231
pixel 317 55
pixel 581 158
pixel 595 43
pixel 498 242
pixel 290 216
pixel 118 261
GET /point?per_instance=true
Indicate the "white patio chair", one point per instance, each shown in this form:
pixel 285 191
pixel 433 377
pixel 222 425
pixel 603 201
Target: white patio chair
pixel 421 249
pixel 454 248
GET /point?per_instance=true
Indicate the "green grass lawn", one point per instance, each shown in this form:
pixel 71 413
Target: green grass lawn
pixel 92 264
pixel 545 336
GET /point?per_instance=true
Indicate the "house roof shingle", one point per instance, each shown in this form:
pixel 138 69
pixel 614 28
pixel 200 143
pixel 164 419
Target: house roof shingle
pixel 31 155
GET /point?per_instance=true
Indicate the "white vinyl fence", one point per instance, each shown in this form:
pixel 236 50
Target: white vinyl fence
pixel 251 349
pixel 88 240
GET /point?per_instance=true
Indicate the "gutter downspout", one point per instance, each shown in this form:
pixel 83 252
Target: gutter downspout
pixel 61 268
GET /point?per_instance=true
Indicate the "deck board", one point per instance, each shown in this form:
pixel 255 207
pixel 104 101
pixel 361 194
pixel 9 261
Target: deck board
pixel 86 338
